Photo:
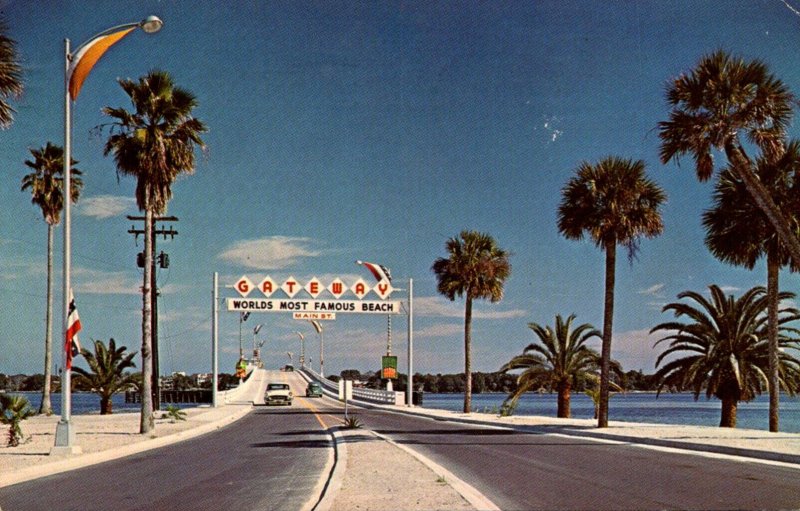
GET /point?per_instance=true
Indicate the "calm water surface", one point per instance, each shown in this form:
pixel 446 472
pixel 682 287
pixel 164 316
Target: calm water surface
pixel 86 403
pixel 636 407
pixel 632 407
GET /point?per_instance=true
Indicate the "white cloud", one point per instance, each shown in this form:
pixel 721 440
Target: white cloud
pixel 105 206
pixel 634 349
pixel 442 307
pixel 105 283
pixel 654 290
pixel 273 253
pixel 440 330
pixel 729 289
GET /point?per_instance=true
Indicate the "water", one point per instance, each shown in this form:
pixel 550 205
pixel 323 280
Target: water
pixel 632 407
pixel 636 407
pixel 88 403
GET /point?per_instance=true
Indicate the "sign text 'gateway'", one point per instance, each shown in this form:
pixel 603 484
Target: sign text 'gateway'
pixel 313 287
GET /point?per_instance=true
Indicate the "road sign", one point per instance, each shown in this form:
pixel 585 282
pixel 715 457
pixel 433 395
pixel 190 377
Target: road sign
pixel 308 316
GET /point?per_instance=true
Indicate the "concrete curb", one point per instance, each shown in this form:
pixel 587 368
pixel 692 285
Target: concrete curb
pixel 330 487
pixel 85 460
pixel 475 498
pixel 602 435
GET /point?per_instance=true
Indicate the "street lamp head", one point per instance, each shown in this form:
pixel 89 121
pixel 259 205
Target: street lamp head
pixel 151 24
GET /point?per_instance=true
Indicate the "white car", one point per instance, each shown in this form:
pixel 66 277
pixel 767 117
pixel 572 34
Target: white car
pixel 278 394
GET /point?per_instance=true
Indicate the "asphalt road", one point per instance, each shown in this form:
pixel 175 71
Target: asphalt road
pixel 524 471
pixel 270 459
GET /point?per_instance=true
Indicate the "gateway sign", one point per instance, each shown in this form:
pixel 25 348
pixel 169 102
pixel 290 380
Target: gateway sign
pixel 313 306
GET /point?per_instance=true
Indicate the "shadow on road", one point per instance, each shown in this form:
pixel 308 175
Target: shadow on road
pixel 294 444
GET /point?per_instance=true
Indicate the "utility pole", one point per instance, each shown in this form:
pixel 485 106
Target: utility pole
pixel 163 262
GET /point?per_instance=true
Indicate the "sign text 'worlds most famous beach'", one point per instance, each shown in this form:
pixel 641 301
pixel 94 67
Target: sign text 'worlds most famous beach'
pixel 313 307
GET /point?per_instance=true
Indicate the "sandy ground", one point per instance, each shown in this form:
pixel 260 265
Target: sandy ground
pixel 378 476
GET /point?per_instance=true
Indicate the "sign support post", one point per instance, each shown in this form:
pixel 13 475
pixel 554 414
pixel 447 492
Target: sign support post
pixel 410 386
pixel 214 339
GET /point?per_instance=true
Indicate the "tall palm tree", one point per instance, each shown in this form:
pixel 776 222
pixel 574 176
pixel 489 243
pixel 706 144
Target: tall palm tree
pixel 46 184
pixel 10 75
pixel 476 268
pixel 738 232
pixel 154 143
pixel 561 354
pixel 106 375
pixel 613 202
pixel 718 103
pixel 728 354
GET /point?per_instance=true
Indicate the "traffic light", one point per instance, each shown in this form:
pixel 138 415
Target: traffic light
pixel 140 259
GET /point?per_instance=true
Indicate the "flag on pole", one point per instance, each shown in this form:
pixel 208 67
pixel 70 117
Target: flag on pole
pixel 379 271
pixel 244 315
pixel 87 56
pixel 302 337
pixel 317 325
pixel 72 346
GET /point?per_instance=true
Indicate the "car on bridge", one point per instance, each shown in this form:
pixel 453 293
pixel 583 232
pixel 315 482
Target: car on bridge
pixel 278 393
pixel 313 389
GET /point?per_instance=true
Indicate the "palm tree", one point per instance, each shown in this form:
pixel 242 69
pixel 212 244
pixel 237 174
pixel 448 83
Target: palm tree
pixel 561 355
pixel 738 232
pixel 476 268
pixel 14 410
pixel 613 202
pixel 10 76
pixel 106 375
pixel 714 106
pixel 592 388
pixel 46 184
pixel 728 354
pixel 154 143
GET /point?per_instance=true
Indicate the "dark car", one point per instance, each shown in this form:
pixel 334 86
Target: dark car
pixel 313 390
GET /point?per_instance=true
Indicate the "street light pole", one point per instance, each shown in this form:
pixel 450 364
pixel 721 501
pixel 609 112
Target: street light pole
pixel 302 350
pixel 255 332
pixel 76 68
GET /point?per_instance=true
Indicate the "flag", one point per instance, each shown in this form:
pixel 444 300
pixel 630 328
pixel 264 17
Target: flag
pixel 72 346
pixel 379 271
pixel 302 337
pixel 244 315
pixel 87 56
pixel 317 325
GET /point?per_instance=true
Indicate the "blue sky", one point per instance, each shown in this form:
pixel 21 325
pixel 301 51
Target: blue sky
pixel 375 131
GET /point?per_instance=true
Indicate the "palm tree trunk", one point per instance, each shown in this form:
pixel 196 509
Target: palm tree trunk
pixel 564 395
pixel 773 270
pixel 608 319
pixel 468 355
pixel 147 420
pixel 46 407
pixel 743 167
pixel 728 418
pixel 106 405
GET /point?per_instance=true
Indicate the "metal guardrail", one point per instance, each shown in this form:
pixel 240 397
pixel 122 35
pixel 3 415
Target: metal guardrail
pixel 370 395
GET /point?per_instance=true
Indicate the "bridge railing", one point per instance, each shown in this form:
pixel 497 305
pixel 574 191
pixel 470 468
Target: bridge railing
pixel 370 395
